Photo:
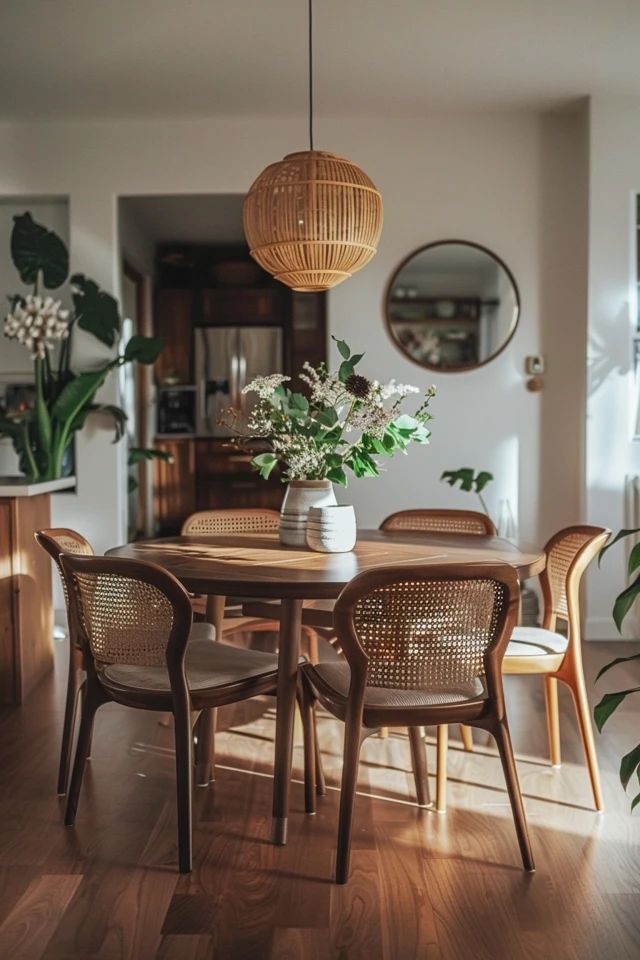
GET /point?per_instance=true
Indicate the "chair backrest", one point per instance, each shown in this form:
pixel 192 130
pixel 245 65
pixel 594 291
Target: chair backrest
pixel 569 552
pixel 59 540
pixel 441 521
pixel 127 611
pixel 249 520
pixel 432 626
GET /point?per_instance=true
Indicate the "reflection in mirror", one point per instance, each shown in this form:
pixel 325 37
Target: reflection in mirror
pixel 452 306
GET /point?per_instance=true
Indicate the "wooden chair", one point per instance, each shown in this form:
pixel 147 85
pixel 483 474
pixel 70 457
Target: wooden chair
pixel 544 651
pixel 442 521
pixel 133 621
pixel 226 616
pixel 423 646
pixel 56 541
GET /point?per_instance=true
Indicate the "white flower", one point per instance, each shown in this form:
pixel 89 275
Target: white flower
pixel 393 389
pixel 36 322
pixel 265 387
pixel 324 388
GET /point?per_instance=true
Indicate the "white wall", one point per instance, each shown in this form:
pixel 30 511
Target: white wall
pixel 611 451
pixel 487 178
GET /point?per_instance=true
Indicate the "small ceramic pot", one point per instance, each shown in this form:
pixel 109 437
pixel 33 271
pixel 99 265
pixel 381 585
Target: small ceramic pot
pixel 331 529
pixel 300 496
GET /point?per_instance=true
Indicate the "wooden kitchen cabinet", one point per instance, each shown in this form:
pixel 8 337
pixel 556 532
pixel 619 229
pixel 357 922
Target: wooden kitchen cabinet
pixel 174 486
pixel 172 320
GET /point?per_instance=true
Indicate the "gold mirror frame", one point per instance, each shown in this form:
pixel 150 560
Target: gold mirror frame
pixel 461 368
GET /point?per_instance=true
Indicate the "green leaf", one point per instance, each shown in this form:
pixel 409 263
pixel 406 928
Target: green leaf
pixel 264 464
pixel 96 310
pixel 138 454
pixel 482 479
pixel 343 349
pixel 614 663
pixel 619 536
pixel 337 475
pixel 634 560
pixel 464 476
pixel 624 602
pixel 77 393
pixel 327 417
pixel 143 349
pixel 36 250
pixel 635 802
pixel 345 371
pixel 608 705
pixel 355 359
pixel 628 765
pixel 333 460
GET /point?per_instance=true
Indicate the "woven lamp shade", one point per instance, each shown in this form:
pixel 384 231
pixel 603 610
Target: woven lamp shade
pixel 312 220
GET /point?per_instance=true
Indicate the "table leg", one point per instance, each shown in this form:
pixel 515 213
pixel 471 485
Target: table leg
pixel 288 653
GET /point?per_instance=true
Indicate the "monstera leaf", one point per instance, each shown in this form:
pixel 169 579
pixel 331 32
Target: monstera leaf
pixel 96 310
pixel 36 250
pixel 143 349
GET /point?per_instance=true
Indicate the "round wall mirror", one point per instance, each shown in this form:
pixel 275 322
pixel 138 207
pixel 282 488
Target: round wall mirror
pixel 452 305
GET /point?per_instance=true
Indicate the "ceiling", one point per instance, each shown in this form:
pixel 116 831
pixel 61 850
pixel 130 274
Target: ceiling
pixel 133 58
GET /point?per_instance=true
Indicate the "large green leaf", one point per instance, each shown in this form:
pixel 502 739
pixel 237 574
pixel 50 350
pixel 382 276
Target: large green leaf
pixel 117 413
pixel 614 663
pixel 138 454
pixel 77 393
pixel 36 250
pixel 143 349
pixel 620 535
pixel 482 479
pixel 463 476
pixel 628 765
pixel 609 704
pixel 624 602
pixel 96 310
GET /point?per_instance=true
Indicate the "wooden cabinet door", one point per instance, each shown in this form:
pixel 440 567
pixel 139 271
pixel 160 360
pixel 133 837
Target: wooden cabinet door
pixel 173 320
pixel 174 488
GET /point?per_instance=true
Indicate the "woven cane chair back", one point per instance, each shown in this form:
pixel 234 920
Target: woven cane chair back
pixel 125 611
pixel 569 553
pixel 431 627
pixel 59 540
pixel 220 522
pixel 441 521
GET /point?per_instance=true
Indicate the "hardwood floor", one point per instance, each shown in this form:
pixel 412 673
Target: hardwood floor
pixel 423 885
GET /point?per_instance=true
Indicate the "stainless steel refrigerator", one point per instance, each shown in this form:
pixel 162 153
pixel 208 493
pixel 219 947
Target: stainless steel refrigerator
pixel 226 360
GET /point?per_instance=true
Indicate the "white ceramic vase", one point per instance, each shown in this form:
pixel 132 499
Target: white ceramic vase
pixel 331 529
pixel 300 496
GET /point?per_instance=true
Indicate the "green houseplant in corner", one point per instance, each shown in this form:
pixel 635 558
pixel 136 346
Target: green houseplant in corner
pixel 630 762
pixel 64 397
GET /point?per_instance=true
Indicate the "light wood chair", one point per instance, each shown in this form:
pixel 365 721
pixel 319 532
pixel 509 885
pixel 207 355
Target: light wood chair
pixel 464 522
pixel 56 541
pixel 133 622
pixel 544 651
pixel 423 646
pixel 226 615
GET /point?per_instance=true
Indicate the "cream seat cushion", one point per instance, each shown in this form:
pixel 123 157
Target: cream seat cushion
pixel 208 665
pixel 535 642
pixel 337 676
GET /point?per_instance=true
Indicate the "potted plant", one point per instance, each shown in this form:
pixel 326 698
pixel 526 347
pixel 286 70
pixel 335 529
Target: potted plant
pixel 344 423
pixel 42 435
pixel 630 762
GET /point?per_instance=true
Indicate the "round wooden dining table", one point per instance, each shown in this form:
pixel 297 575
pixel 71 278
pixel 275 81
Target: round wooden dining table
pixel 258 566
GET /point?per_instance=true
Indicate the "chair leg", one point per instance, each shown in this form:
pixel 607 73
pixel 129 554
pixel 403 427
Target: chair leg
pixel 305 704
pixel 553 720
pixel 68 726
pixel 352 743
pixel 321 787
pixel 442 742
pixel 90 703
pixel 467 737
pixel 205 750
pixel 184 763
pixel 581 703
pixel 419 763
pixel 312 644
pixel 505 749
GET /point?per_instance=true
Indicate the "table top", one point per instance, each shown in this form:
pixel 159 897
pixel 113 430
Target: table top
pixel 257 565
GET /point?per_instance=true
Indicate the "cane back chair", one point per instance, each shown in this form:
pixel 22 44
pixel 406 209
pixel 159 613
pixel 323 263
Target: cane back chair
pixel 423 647
pixel 441 521
pixel 226 616
pixel 56 541
pixel 133 621
pixel 555 656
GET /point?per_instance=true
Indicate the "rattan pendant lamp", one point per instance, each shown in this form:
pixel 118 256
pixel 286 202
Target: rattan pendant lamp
pixel 312 219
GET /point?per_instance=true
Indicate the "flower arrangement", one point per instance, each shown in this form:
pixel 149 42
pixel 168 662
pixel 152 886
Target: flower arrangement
pixel 64 397
pixel 344 423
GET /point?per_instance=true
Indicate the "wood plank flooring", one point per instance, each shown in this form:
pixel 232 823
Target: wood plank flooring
pixel 423 885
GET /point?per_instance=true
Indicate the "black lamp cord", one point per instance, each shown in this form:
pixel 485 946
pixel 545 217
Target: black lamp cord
pixel 311 74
